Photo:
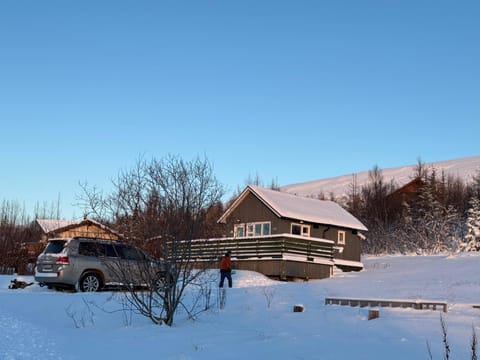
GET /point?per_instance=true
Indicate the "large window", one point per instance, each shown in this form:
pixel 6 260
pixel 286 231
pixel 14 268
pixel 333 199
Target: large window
pixel 300 229
pixel 252 229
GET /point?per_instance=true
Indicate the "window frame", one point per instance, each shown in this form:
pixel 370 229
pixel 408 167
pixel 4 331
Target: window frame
pixel 235 230
pixel 341 237
pixel 250 229
pixel 302 228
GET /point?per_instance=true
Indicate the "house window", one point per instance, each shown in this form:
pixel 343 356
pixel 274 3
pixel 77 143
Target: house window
pixel 266 228
pixel 239 230
pixel 300 229
pixel 251 229
pixel 341 238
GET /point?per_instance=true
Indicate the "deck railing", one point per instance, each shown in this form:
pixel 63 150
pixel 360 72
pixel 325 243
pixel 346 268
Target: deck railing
pixel 281 246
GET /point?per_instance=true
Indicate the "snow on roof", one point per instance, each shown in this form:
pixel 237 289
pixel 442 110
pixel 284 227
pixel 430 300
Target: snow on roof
pixel 304 209
pixel 89 221
pixel 48 225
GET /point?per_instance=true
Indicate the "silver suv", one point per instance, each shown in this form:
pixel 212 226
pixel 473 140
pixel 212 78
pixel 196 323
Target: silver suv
pixel 91 264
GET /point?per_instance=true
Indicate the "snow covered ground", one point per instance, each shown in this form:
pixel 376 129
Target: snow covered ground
pixel 37 323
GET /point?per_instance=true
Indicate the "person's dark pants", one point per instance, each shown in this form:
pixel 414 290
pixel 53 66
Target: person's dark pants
pixel 225 274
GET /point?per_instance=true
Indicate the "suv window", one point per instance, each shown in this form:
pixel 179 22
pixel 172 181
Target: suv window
pixel 54 247
pixel 90 249
pixel 110 251
pixel 130 253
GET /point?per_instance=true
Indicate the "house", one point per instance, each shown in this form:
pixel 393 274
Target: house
pixel 407 193
pixel 308 232
pixel 53 228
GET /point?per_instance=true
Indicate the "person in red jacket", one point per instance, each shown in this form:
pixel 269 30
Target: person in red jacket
pixel 226 270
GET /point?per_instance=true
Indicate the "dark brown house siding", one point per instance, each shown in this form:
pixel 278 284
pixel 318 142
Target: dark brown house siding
pixel 352 248
pixel 285 270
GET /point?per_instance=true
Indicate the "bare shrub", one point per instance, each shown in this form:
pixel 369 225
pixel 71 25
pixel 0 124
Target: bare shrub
pixel 268 292
pixel 161 206
pixel 446 344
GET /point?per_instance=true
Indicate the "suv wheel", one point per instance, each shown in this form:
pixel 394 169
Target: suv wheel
pixel 90 282
pixel 163 281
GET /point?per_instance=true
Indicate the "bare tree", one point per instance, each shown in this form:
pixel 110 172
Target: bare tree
pixel 162 205
pixel 420 170
pixel 474 187
pixel 354 199
pixel 16 229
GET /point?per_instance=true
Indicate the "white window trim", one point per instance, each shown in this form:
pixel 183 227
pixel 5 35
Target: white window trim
pixel 236 227
pixel 250 229
pixel 302 227
pixel 252 225
pixel 341 237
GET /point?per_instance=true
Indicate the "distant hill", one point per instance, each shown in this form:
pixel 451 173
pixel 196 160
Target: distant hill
pixel 465 168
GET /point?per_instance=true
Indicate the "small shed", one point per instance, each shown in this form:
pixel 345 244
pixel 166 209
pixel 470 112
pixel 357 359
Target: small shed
pixel 53 228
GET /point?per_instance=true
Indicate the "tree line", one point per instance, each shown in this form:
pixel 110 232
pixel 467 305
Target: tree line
pixel 438 213
pixel 17 228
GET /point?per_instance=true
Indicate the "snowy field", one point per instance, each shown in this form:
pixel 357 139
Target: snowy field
pixel 258 321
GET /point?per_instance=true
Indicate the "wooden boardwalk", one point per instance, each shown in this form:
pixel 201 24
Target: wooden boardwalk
pixel 393 303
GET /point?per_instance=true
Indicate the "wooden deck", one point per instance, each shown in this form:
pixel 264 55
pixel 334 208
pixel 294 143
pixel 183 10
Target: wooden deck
pixel 414 304
pixel 283 256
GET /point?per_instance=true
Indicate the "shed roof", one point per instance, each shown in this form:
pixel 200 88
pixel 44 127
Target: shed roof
pixel 290 206
pixel 53 225
pixel 49 225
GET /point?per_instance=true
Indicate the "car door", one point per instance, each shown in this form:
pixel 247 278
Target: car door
pixel 113 265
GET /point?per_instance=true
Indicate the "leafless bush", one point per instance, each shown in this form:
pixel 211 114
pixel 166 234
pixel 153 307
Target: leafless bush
pixel 161 205
pixel 268 292
pixel 473 344
pixel 81 317
pixel 446 344
pixel 222 298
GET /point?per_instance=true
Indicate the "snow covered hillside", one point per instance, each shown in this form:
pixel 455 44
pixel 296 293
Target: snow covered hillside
pixel 258 321
pixel 465 168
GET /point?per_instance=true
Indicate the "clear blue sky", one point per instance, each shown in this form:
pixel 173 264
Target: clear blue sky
pixel 289 90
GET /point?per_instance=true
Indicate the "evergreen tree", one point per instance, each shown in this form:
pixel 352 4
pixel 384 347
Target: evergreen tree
pixel 432 226
pixel 472 237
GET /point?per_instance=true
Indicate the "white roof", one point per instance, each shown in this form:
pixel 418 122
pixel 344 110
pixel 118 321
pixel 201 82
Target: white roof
pixel 290 206
pixel 49 225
